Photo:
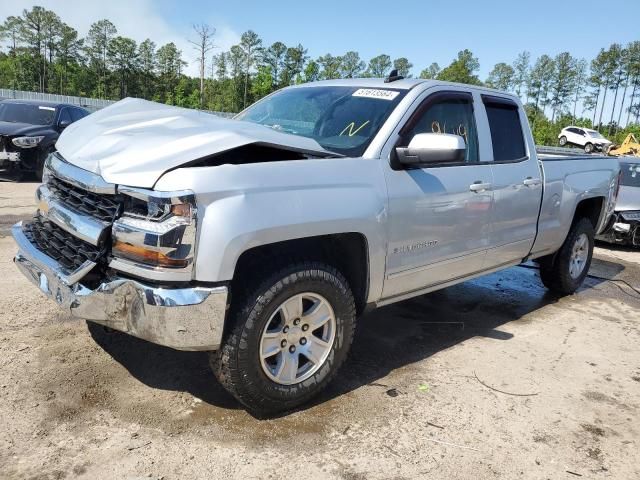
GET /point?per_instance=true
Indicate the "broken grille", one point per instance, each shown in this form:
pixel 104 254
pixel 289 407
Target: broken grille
pixel 102 207
pixel 69 251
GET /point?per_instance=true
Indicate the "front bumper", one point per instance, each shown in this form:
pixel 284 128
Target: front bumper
pixel 181 318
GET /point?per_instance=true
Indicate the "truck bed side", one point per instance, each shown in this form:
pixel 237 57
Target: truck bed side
pixel 570 179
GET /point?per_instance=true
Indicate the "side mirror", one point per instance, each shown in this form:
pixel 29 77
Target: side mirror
pixel 431 149
pixel 62 124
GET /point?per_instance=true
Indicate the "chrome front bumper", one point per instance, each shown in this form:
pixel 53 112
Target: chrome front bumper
pixel 182 318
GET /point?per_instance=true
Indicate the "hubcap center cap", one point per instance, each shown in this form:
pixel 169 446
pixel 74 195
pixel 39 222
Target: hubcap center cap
pixel 294 335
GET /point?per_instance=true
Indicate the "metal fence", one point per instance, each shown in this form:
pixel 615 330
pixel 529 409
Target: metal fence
pixel 89 103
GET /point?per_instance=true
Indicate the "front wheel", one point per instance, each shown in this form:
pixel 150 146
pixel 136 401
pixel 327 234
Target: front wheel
pixel 588 148
pixel 565 271
pixel 288 338
pixel 563 141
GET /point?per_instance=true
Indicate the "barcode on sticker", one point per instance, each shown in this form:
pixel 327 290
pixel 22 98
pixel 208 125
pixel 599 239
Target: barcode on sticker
pixel 375 93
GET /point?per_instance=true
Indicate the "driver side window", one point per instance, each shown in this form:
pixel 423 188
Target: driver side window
pixel 451 114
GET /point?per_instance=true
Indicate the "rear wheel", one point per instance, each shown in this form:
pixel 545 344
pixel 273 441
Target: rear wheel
pixel 563 141
pixel 565 271
pixel 289 335
pixel 588 148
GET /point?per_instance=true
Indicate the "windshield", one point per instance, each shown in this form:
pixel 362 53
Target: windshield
pixel 630 174
pixel 26 113
pixel 340 119
pixel 594 134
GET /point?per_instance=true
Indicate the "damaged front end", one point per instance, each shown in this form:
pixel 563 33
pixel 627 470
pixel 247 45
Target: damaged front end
pixel 120 257
pixel 624 227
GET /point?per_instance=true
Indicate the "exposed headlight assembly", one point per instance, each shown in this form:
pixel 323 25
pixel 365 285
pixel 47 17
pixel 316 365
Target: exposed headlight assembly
pixel 27 142
pixel 156 230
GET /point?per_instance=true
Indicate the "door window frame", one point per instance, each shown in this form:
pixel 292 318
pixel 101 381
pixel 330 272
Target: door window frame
pixel 485 150
pixel 494 99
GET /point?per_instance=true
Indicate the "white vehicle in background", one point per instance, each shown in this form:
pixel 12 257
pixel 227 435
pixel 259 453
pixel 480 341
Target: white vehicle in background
pixel 586 138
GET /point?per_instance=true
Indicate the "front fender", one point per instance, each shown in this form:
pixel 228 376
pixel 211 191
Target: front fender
pixel 245 206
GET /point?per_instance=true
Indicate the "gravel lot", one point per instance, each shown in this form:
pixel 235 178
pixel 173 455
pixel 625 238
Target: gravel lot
pixel 415 400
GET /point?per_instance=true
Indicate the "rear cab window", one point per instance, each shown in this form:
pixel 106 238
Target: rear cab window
pixel 507 138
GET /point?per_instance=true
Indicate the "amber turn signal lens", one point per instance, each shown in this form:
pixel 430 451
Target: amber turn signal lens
pixel 148 257
pixel 181 210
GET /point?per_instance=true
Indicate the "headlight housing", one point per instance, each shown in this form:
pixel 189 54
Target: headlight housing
pixel 27 142
pixel 157 230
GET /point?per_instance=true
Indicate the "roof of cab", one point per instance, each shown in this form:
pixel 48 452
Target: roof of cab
pixel 403 84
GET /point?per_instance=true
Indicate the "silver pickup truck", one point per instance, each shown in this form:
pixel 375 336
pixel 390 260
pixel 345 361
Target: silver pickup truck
pixel 262 238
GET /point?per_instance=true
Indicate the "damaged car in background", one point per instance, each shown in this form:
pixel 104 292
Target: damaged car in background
pixel 29 130
pixel 625 224
pixel 263 238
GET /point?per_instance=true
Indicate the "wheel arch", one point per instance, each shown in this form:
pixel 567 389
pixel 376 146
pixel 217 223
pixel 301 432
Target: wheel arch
pixel 348 252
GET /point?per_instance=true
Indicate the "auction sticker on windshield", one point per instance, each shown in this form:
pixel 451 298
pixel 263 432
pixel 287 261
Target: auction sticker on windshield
pixel 375 93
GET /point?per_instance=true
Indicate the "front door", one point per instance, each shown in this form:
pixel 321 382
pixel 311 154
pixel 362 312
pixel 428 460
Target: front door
pixel 439 216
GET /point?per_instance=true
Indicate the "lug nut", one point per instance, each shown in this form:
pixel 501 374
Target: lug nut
pixel 303 341
pixel 283 343
pixel 292 349
pixel 296 321
pixel 305 327
pixel 285 329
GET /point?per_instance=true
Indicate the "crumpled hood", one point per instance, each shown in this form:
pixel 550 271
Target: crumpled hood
pixel 133 142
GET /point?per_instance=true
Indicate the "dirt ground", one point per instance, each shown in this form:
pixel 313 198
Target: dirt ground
pixel 421 396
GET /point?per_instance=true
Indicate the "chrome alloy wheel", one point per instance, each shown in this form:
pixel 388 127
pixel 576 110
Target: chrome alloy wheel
pixel 297 338
pixel 579 255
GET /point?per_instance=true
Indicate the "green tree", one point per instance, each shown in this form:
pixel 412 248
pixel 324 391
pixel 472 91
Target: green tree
pixel 294 61
pixel 170 64
pixel 147 65
pixel 330 66
pixel 352 66
pixel 404 66
pixel 540 81
pixel 521 68
pixel 379 66
pixel 250 44
pixel 581 77
pixel 633 68
pixel 123 58
pixel 562 82
pixel 501 77
pixel 273 57
pixel 312 71
pixel 97 47
pixel 69 54
pixel 430 72
pixel 462 70
pixel 617 64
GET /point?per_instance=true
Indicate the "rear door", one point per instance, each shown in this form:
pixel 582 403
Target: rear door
pixel 517 183
pixel 439 219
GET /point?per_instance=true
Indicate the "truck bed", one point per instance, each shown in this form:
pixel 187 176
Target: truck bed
pixel 562 153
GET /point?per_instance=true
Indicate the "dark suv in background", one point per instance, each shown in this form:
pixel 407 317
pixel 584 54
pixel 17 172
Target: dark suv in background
pixel 29 130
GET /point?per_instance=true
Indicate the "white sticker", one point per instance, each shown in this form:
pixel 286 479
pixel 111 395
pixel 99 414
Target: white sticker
pixel 374 93
pixel 47 108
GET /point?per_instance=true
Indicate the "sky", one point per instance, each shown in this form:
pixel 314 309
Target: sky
pixel 424 31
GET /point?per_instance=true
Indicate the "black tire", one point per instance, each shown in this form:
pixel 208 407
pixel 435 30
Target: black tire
pixel 237 365
pixel 588 148
pixel 555 269
pixel 563 141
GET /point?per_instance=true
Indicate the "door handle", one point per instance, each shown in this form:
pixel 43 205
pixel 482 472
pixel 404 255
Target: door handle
pixel 531 182
pixel 479 186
